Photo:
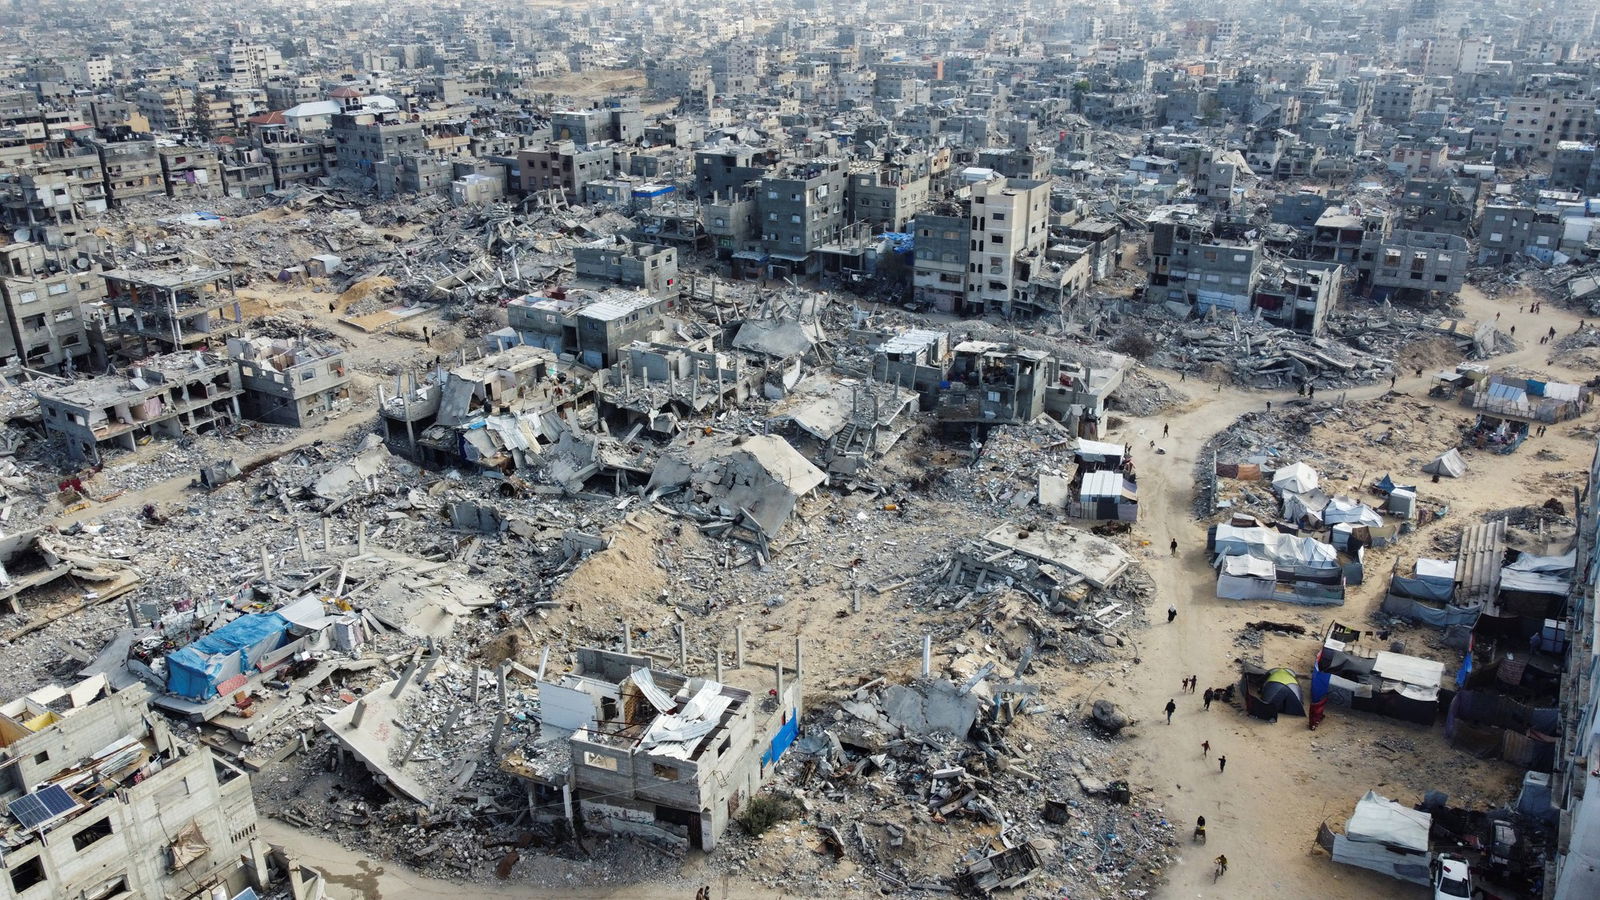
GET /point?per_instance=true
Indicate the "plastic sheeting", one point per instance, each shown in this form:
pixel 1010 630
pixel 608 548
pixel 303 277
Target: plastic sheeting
pixel 235 648
pixel 1284 550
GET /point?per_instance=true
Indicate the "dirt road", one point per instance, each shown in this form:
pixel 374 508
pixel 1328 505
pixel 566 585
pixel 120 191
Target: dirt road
pixel 1264 810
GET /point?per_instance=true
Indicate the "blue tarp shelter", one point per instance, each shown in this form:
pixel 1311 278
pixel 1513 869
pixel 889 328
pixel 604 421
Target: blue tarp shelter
pixel 235 648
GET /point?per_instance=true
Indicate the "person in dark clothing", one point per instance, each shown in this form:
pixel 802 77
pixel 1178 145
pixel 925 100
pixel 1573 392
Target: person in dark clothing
pixel 1208 697
pixel 1172 707
pixel 1174 546
pixel 1222 761
pixel 1205 749
pixel 1165 430
pixel 1172 613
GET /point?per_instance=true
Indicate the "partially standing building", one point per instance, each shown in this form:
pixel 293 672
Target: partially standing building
pixel 168 396
pixel 102 801
pixel 178 309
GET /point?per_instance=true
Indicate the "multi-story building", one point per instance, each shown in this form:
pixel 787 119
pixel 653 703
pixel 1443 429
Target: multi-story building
pixel 1195 264
pixel 191 172
pixel 1574 866
pixel 297 383
pixel 1397 100
pixel 728 170
pixel 646 267
pixel 293 162
pixel 1536 125
pixel 564 166
pixel 172 310
pixel 886 197
pixel 1008 227
pixel 1414 262
pixel 166 396
pixel 131 166
pixel 252 65
pixel 800 206
pixel 943 245
pixel 366 137
pixel 46 296
pixel 108 802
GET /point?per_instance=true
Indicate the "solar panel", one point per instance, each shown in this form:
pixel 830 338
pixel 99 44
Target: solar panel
pixel 39 807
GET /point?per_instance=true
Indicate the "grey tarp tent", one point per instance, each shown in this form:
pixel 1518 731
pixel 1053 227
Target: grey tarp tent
pixel 1449 464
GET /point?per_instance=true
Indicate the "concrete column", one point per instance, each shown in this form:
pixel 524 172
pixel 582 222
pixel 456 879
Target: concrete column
pixel 260 878
pixel 683 648
pixel 477 682
pixel 266 563
pixel 544 660
pixel 738 646
pixel 719 665
pixel 361 538
pixel 927 655
pixel 450 720
pixel 777 668
pixel 799 659
pixel 361 711
pixel 627 638
pixel 327 535
pixel 566 805
pixel 305 543
pixel 427 667
pixel 413 748
pixel 405 679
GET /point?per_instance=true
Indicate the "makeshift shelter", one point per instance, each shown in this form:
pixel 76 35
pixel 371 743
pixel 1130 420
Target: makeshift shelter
pixel 1449 464
pixel 1388 683
pixel 234 649
pixel 1294 478
pixel 1386 837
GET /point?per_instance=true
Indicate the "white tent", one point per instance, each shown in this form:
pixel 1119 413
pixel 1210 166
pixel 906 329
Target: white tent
pixel 1449 464
pixel 1295 477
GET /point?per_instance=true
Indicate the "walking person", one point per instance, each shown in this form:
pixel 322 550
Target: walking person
pixel 1194 683
pixel 1222 761
pixel 1392 380
pixel 1165 430
pixel 1174 548
pixel 1208 697
pixel 1205 747
pixel 1269 406
pixel 1172 613
pixel 1172 707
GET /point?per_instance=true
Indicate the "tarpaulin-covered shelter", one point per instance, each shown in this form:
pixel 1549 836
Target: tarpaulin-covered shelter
pixel 1392 684
pixel 1449 464
pixel 234 649
pixel 1535 587
pixel 1386 837
pixel 1294 478
pixel 1428 595
pixel 1258 563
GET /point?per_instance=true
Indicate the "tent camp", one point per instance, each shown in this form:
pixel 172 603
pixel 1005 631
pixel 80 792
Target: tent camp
pixel 1449 464
pixel 1386 837
pixel 1391 684
pixel 1294 478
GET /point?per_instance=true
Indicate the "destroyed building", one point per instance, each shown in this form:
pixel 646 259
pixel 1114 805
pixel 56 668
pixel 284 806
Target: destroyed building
pixel 166 396
pixel 636 750
pixel 288 382
pixel 645 267
pixel 104 801
pixel 172 309
pixel 1193 267
pixel 494 412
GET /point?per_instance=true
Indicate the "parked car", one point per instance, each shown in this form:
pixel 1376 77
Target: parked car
pixel 1452 878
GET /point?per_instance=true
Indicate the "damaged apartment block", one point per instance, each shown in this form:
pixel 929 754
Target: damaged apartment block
pixel 168 396
pixel 629 749
pixel 173 310
pixel 288 382
pixel 103 801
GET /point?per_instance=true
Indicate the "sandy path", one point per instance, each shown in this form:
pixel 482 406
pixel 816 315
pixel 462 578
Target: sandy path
pixel 1264 811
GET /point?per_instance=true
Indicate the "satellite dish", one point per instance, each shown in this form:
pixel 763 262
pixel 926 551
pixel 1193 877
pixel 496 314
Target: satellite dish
pixel 20 235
